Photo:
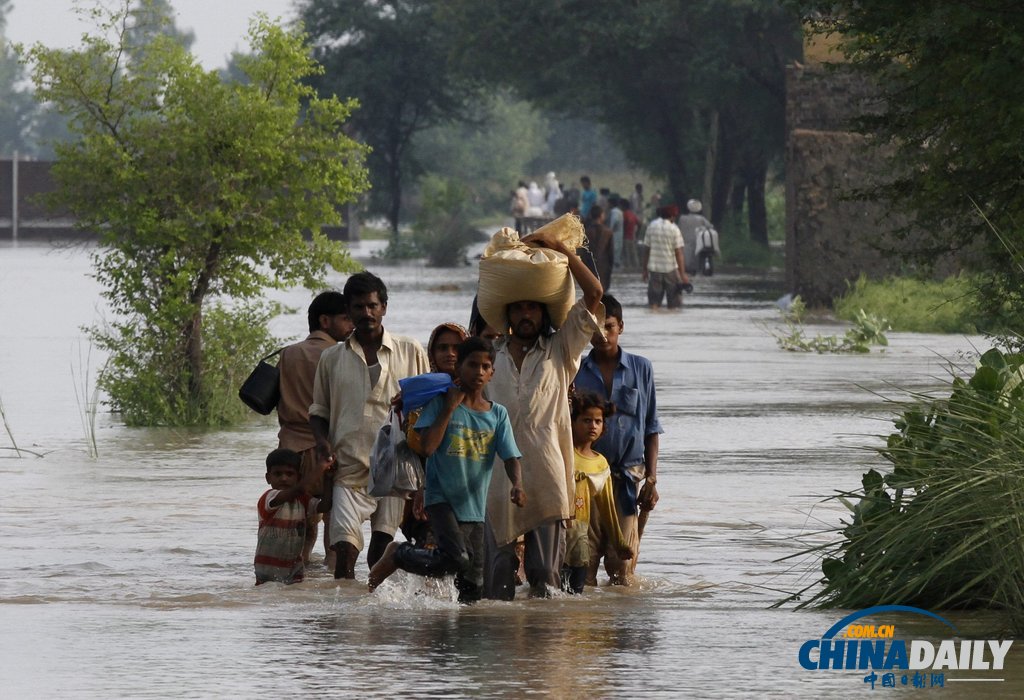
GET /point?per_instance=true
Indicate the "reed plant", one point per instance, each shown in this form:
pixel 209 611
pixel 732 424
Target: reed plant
pixel 945 528
pixel 7 429
pixel 87 396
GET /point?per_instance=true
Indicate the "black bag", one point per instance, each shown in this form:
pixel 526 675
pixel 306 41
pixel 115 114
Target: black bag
pixel 262 390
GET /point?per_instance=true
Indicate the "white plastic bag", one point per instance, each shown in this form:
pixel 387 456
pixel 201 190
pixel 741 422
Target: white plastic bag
pixel 395 470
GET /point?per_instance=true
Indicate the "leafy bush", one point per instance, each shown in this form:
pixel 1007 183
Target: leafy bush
pixel 945 528
pixel 200 190
pixel 921 306
pixel 397 250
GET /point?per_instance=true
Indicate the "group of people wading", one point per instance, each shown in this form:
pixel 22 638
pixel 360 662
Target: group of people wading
pixel 577 436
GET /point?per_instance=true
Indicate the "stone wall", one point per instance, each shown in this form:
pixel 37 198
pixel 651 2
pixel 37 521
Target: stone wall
pixel 830 239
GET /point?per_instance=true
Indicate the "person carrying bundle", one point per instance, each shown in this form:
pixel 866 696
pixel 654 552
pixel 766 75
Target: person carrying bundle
pixel 545 333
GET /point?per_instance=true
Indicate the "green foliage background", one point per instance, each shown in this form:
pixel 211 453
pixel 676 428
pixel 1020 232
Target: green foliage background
pixel 919 306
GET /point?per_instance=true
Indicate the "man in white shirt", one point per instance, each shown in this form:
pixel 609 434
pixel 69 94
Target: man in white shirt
pixel 355 381
pixel 663 265
pixel 532 373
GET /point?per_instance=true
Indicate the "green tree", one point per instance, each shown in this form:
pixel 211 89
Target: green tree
pixel 693 92
pixel 203 193
pixel 17 105
pixel 150 19
pixel 393 57
pixel 487 154
pixel 951 115
pixel 442 230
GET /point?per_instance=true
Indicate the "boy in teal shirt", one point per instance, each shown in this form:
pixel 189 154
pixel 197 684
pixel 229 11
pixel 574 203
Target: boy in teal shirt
pixel 460 432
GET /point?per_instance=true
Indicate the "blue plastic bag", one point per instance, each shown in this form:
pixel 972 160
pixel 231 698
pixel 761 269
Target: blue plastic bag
pixel 418 390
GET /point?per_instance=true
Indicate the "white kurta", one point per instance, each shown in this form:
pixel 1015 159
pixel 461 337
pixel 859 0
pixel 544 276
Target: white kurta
pixel 355 410
pixel 537 399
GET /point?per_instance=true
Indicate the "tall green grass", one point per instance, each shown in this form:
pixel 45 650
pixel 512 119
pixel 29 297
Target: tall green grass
pixel 921 306
pixel 945 528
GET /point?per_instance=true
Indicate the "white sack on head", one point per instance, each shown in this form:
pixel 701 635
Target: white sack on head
pixel 511 270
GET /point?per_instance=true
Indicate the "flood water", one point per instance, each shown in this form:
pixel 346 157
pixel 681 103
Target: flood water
pixel 130 574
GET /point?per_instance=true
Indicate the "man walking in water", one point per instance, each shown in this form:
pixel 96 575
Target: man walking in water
pixel 329 324
pixel 663 265
pixel 352 392
pixel 533 370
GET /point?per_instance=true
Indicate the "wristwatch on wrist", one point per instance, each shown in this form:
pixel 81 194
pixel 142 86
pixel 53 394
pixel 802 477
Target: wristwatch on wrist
pixel 652 480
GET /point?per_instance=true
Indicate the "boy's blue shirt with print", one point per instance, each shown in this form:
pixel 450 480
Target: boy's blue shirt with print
pixel 459 471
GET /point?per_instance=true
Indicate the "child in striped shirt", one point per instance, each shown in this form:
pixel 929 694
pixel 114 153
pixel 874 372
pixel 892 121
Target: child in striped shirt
pixel 283 511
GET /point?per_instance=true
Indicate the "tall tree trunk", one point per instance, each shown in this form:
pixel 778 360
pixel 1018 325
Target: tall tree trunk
pixel 193 331
pixel 757 209
pixel 677 174
pixel 737 195
pixel 707 197
pixel 725 167
pixel 395 205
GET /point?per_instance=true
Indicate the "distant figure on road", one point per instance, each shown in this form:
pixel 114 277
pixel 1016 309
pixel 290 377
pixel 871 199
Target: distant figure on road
pixel 663 264
pixel 588 197
pixel 601 245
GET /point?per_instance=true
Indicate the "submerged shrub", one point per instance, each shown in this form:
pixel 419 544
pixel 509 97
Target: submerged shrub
pixel 945 528
pixel 867 330
pixel 443 231
pixel 147 380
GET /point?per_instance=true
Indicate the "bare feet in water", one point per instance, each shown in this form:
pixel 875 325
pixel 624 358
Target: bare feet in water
pixel 384 567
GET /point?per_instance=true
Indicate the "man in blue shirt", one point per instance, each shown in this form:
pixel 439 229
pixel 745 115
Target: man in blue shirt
pixel 630 442
pixel 588 197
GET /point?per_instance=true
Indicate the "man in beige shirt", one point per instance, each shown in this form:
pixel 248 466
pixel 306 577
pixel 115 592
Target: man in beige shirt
pixel 532 373
pixel 329 324
pixel 352 393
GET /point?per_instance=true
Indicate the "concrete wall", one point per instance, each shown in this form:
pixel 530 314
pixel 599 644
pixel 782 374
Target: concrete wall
pixel 37 223
pixel 830 239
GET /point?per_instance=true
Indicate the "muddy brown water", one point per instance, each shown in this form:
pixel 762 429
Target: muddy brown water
pixel 130 574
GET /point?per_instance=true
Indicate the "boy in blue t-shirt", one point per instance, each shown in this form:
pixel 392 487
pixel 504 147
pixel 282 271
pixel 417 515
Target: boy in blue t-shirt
pixel 460 432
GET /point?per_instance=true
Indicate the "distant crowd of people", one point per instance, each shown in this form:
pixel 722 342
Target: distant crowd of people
pixel 628 233
pixel 577 435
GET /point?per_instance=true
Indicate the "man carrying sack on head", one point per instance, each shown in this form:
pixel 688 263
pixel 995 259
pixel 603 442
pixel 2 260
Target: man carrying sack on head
pixel 526 289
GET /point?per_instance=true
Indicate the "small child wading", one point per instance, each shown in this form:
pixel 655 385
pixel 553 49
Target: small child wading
pixel 460 432
pixel 593 496
pixel 284 511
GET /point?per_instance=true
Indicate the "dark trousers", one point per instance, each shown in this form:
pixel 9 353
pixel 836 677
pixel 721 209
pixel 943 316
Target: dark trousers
pixel 661 285
pixel 459 551
pixel 542 561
